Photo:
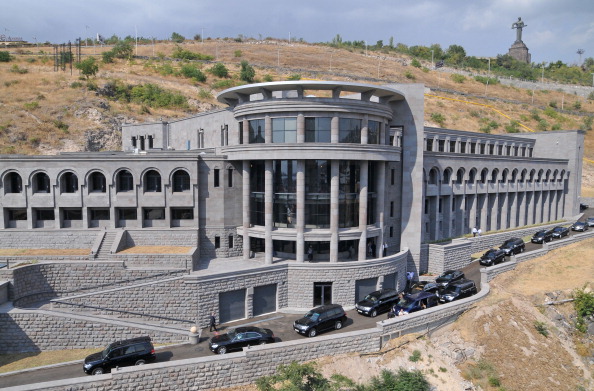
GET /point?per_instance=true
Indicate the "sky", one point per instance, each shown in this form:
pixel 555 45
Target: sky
pixel 555 29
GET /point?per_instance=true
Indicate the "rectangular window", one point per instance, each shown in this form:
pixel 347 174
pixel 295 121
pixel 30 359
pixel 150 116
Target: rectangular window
pixel 134 142
pixel 452 146
pixel 317 130
pixel 429 144
pixel 154 213
pixel 441 145
pixel 182 213
pixel 439 205
pixel 373 132
pixel 391 208
pixel 256 131
pixel 463 147
pixel 150 142
pixel 216 173
pixel 217 242
pixel 45 214
pixel 230 241
pixel 17 214
pixel 284 130
pixel 392 176
pixel 229 177
pixel 72 214
pixel 142 143
pixel 127 214
pixel 391 140
pixel 391 232
pixel 240 132
pixel 99 214
pixel 349 131
pixel 426 206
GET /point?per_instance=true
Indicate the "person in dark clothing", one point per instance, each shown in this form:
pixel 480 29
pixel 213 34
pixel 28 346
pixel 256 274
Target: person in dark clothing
pixel 213 322
pixel 373 249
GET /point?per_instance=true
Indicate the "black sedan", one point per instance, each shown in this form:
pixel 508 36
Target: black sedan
pixel 542 236
pixel 448 276
pixel 240 337
pixel 492 257
pixel 559 232
pixel 579 226
pixel 423 286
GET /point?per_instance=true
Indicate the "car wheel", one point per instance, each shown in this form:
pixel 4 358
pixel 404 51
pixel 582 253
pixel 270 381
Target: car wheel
pixel 373 313
pixel 262 343
pixel 521 250
pixel 140 362
pixel 98 371
pixel 222 350
pixel 338 325
pixel 312 332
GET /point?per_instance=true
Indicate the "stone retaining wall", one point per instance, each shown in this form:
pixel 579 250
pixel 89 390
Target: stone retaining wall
pixel 480 243
pixel 59 239
pixel 163 261
pixel 160 237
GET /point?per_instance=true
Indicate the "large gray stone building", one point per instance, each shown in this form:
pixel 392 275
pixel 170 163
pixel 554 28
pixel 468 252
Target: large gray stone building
pixel 304 172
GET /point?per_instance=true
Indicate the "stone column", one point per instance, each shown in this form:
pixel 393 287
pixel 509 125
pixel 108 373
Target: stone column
pixel 364 188
pixel 246 131
pixel 365 130
pixel 300 216
pixel 521 208
pixel 504 210
pixel 246 207
pixel 300 128
pixel 530 196
pixel 268 210
pixel 334 209
pixel 484 211
pixel 267 129
pixel 472 200
pixel 380 206
pixel 546 202
pixel 334 130
pixel 538 207
pixel 513 209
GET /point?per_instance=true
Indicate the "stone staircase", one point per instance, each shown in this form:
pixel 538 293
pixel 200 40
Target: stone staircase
pixel 104 249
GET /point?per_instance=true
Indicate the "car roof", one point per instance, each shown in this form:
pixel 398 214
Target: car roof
pixel 461 282
pixel 421 295
pixel 326 307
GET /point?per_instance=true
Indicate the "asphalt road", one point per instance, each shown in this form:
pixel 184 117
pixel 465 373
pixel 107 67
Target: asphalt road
pixel 280 323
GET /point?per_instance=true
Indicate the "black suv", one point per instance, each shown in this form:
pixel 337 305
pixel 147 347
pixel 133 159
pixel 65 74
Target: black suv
pixel 447 277
pixel 513 246
pixel 457 290
pixel 377 302
pixel 542 236
pixel 325 317
pixel 492 257
pixel 135 351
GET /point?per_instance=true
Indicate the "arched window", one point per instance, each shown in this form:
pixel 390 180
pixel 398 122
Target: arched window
pixel 97 183
pixel 484 174
pixel 69 183
pixel 181 181
pixel 13 183
pixel 460 176
pixel 447 175
pixel 125 181
pixel 41 183
pixel 433 176
pixel 152 181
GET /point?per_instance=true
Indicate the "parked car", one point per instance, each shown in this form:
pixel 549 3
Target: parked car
pixel 579 226
pixel 423 286
pixel 513 246
pixel 240 337
pixel 322 318
pixel 413 303
pixel 590 221
pixel 447 277
pixel 492 257
pixel 559 232
pixel 457 290
pixel 584 207
pixel 135 351
pixel 377 302
pixel 542 236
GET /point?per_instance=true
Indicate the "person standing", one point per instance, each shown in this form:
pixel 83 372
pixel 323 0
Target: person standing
pixel 479 232
pixel 385 248
pixel 474 231
pixel 213 322
pixel 310 253
pixel 373 249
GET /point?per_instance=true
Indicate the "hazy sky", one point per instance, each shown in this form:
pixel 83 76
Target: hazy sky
pixel 555 29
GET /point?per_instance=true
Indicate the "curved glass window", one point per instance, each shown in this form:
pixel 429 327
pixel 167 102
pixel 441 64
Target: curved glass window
pixel 317 130
pixel 284 130
pixel 373 132
pixel 348 198
pixel 256 131
pixel 317 193
pixel 349 131
pixel 257 192
pixel 284 188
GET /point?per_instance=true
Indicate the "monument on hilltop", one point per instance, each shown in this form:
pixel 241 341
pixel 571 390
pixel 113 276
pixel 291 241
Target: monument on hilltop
pixel 519 50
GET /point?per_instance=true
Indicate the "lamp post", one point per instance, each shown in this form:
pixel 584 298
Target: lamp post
pixel 593 80
pixel 542 77
pixel 432 66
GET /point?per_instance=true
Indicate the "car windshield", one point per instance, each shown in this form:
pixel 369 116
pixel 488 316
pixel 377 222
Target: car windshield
pixel 312 315
pixel 451 289
pixel 231 334
pixel 371 298
pixel 489 254
pixel 541 233
pixel 447 275
pixel 558 229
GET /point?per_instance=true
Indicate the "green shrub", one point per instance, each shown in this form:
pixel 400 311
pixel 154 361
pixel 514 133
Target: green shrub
pixel 166 69
pixel 192 72
pixel 15 69
pixel 237 53
pixel 438 118
pixel 409 75
pixel 584 307
pixel 513 127
pixel 591 96
pixel 4 56
pixel 587 123
pixel 88 67
pixel 494 381
pixel 34 141
pixel 92 85
pixel 541 327
pixel 487 80
pixel 183 54
pixel 295 76
pixel 577 105
pixel 553 104
pixel 76 84
pixel 107 57
pixel 31 60
pixel 204 94
pixel 551 112
pixel 457 78
pixel 268 78
pixel 542 125
pixel 415 356
pixel 415 63
pixel 247 72
pixel 219 70
pixel 228 83
pixel 31 105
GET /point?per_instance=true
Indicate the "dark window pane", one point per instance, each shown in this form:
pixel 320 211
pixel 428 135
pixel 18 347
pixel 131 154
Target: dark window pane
pixel 127 214
pixel 153 181
pixel 125 181
pixel 256 131
pixel 72 214
pixel 99 214
pixel 182 213
pixel 181 181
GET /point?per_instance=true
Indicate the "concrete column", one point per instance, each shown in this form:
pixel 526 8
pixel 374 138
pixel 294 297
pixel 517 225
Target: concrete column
pixel 530 207
pixel 365 130
pixel 268 209
pixel 521 208
pixel 334 130
pixel 334 210
pixel 472 201
pixel 484 207
pixel 300 128
pixel 300 224
pixel 446 212
pixel 267 129
pixel 513 209
pixel 538 207
pixel 246 131
pixel 504 210
pixel 246 207
pixel 364 188
pixel 380 198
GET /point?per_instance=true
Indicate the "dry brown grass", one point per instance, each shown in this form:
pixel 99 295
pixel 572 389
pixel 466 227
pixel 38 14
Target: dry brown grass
pixel 156 250
pixel 43 251
pixel 20 361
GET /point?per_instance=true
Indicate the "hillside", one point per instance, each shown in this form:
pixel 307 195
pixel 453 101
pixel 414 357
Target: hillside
pixel 43 111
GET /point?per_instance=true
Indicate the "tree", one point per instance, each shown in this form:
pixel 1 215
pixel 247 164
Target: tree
pixel 455 54
pixel 178 38
pixel 4 56
pixel 197 37
pixel 219 70
pixel 247 72
pixel 123 49
pixel 88 67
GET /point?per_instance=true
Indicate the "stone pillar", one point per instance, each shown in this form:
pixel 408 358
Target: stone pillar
pixel 472 201
pixel 513 209
pixel 268 210
pixel 334 130
pixel 364 188
pixel 365 130
pixel 267 129
pixel 504 210
pixel 246 131
pixel 300 128
pixel 538 207
pixel 484 211
pixel 521 208
pixel 380 206
pixel 246 208
pixel 300 216
pixel 334 209
pixel 530 196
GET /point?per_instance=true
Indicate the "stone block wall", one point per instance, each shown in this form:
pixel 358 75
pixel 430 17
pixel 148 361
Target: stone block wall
pixel 34 332
pixel 208 241
pixel 451 255
pixel 161 237
pixel 162 261
pixel 58 239
pixel 480 243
